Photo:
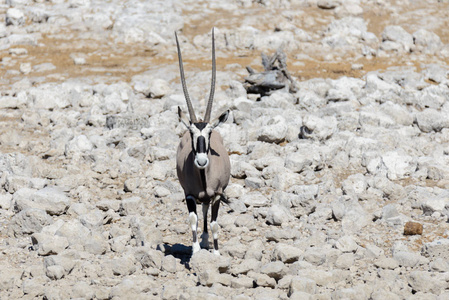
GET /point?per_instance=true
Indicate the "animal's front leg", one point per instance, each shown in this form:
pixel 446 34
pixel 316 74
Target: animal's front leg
pixel 213 224
pixel 205 235
pixel 193 221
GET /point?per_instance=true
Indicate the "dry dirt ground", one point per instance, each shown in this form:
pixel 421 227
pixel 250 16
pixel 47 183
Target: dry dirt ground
pixel 109 61
pixel 118 61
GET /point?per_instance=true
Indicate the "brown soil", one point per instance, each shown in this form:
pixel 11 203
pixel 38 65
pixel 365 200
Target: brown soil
pixel 107 61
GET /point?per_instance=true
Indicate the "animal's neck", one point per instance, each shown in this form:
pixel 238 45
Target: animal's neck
pixel 206 197
pixel 203 180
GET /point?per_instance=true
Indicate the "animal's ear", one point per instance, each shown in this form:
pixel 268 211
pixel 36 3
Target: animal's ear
pixel 221 119
pixel 183 118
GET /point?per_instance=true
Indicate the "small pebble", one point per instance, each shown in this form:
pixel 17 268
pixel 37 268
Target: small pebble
pixel 413 228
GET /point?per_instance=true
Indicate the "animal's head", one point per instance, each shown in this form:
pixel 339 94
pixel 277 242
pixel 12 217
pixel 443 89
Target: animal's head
pixel 200 131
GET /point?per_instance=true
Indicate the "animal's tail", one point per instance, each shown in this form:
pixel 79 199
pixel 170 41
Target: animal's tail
pixel 225 199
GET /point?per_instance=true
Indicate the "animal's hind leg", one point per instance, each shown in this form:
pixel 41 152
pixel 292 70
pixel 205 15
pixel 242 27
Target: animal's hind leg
pixel 213 224
pixel 193 221
pixel 205 235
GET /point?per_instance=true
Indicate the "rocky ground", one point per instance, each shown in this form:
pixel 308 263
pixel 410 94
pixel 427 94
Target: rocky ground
pixel 325 176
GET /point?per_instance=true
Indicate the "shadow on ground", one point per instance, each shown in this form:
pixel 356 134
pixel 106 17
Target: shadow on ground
pixel 180 251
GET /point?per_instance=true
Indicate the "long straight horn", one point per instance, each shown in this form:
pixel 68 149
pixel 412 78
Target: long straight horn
pixel 184 86
pixel 212 87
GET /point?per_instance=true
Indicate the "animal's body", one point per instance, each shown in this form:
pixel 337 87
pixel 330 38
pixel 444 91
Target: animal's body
pixel 216 174
pixel 202 162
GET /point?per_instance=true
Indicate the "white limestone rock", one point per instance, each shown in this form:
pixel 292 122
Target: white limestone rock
pixel 396 38
pixel 15 16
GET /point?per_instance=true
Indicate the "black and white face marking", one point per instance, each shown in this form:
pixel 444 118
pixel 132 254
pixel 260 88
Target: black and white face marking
pixel 200 133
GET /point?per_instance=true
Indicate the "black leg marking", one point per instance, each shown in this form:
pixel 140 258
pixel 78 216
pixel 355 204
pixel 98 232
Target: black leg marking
pixel 214 224
pixel 205 210
pixel 216 244
pixel 191 204
pixel 193 221
pixel 205 235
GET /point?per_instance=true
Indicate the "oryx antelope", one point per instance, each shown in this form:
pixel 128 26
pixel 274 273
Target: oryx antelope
pixel 202 162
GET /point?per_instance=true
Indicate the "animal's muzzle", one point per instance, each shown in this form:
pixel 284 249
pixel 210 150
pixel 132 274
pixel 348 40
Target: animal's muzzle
pixel 201 160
